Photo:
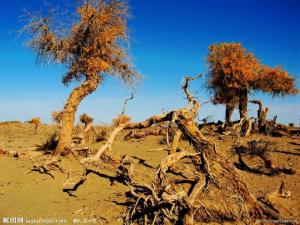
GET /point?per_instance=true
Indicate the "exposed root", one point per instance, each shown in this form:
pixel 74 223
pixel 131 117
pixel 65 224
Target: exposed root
pixel 208 189
pixel 50 144
pixel 121 172
pixel 4 151
pixel 51 164
pixel 260 150
pixel 204 195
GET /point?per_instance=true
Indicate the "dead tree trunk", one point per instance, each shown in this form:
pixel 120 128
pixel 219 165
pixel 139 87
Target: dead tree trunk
pixel 68 113
pixel 216 192
pixel 262 114
pixel 228 113
pixel 219 193
pixel 175 141
pixel 243 102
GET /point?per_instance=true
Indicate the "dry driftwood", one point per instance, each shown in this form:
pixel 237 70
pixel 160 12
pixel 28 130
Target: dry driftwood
pixel 207 199
pixel 213 190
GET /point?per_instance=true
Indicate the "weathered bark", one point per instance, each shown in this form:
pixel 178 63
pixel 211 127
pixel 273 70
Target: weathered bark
pixel 243 102
pixel 228 113
pixel 217 192
pixel 175 141
pixel 224 179
pixel 262 114
pixel 68 113
pixel 107 146
pixel 247 127
pixel 241 99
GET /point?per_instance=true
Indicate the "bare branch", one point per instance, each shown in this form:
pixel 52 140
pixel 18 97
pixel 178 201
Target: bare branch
pixel 125 103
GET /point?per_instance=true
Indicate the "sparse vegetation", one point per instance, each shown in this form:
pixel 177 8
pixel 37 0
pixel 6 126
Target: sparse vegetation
pixel 171 168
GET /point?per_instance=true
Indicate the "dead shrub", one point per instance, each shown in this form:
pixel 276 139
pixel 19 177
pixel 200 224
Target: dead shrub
pixel 57 117
pixel 259 152
pixel 120 119
pixel 86 119
pixel 103 134
pixel 36 121
pixel 50 144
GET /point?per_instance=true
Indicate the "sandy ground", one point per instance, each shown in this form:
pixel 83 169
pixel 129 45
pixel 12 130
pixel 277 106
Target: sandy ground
pixel 34 196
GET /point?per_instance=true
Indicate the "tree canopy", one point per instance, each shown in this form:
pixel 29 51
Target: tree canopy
pixel 94 45
pixel 232 67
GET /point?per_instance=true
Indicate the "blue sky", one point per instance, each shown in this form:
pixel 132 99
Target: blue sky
pixel 169 39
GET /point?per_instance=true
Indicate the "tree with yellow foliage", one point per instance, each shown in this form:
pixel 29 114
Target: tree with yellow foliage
pixel 234 72
pixel 91 48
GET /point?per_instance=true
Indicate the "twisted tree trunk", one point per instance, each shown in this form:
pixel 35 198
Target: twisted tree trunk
pixel 68 113
pixel 217 191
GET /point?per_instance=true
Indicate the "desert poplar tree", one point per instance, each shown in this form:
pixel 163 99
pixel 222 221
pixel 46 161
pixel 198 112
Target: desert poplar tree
pixel 91 47
pixel 234 72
